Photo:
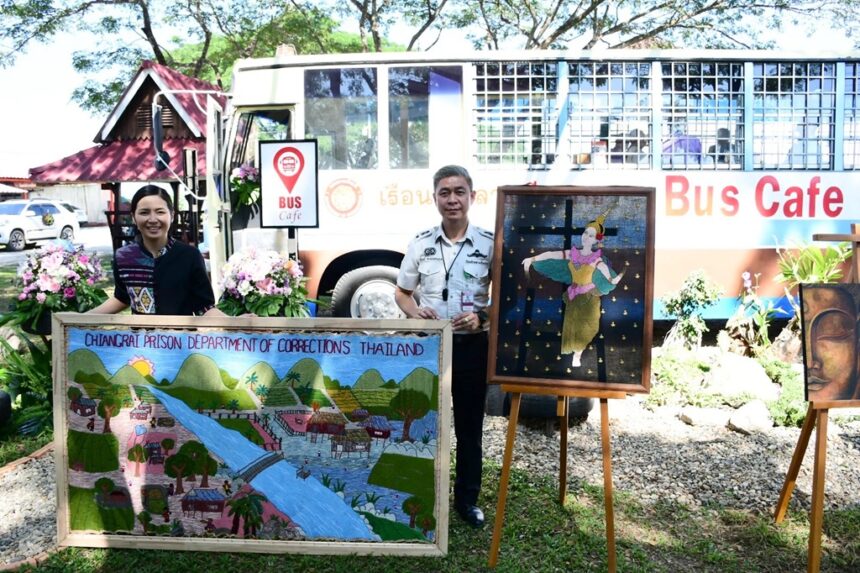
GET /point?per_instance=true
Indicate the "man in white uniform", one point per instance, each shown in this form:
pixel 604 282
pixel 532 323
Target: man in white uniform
pixel 451 263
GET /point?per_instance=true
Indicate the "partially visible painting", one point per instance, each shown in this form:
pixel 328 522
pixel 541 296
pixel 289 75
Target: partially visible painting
pixel 831 347
pixel 265 435
pixel 573 287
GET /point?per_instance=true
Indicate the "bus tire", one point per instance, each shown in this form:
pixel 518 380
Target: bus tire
pixel 366 292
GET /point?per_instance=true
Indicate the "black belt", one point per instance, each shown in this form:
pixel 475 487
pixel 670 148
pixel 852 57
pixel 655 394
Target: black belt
pixel 462 335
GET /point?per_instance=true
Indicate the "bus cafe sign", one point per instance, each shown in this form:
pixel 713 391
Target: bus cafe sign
pixel 289 183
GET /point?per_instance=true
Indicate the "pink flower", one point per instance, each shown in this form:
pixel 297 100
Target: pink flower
pixel 69 292
pixel 40 297
pixel 22 296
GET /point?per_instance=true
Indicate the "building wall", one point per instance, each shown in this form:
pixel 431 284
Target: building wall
pixel 88 196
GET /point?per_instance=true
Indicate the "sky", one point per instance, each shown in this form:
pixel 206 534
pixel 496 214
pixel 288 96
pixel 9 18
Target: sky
pixel 39 123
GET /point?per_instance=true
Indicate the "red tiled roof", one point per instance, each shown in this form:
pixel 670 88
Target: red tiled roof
pixel 132 160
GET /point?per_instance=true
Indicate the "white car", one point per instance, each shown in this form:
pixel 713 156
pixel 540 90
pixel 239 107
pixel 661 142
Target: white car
pixel 79 213
pixel 25 221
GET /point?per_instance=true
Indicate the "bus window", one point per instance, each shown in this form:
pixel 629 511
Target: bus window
pixel 851 151
pixel 794 105
pixel 253 127
pixel 341 114
pixel 610 109
pixel 702 104
pixel 516 113
pixel 414 94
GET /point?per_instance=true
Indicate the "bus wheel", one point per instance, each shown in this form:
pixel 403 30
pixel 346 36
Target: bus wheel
pixel 367 292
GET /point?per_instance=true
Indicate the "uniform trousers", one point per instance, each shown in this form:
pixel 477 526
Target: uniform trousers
pixel 469 390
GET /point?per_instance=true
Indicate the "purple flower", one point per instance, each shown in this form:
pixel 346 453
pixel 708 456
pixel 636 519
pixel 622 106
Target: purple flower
pixel 69 292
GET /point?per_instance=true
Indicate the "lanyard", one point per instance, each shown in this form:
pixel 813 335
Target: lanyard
pixel 447 268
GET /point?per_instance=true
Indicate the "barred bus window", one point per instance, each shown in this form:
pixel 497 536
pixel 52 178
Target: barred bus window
pixel 341 114
pixel 703 124
pixel 793 113
pixel 516 113
pixel 410 92
pixel 610 114
pixel 851 151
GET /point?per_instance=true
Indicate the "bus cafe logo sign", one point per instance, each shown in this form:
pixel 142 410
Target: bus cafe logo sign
pixel 289 186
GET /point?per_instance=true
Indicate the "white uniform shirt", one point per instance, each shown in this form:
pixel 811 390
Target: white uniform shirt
pixel 467 262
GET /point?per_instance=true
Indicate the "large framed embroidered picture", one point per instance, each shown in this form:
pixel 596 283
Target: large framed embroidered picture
pixel 573 287
pixel 250 434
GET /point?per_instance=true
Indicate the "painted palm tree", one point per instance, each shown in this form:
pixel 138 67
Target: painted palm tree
pixel 252 380
pixel 249 509
pixel 293 378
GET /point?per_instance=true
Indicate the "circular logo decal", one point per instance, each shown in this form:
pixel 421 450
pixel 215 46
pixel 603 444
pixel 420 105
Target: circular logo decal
pixel 48 219
pixel 343 197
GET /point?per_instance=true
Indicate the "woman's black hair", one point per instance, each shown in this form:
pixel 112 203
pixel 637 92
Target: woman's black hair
pixel 149 191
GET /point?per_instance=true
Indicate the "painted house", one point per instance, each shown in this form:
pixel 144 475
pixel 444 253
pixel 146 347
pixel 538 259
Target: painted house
pixel 353 440
pixel 124 157
pixel 332 423
pixel 83 406
pixel 203 500
pixel 378 427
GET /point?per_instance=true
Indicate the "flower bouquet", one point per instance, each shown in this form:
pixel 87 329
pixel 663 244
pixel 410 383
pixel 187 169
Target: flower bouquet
pixel 245 182
pixel 57 278
pixel 265 283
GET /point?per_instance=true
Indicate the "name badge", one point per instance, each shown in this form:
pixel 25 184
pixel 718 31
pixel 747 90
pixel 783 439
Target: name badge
pixel 467 301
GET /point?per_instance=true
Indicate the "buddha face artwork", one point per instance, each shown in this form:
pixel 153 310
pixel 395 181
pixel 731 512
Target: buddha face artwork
pixel 830 341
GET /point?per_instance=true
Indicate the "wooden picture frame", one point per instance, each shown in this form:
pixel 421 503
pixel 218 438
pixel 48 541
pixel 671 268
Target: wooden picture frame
pixel 831 341
pixel 165 438
pixel 535 339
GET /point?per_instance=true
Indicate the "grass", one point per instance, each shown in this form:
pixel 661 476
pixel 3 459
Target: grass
pixel 541 535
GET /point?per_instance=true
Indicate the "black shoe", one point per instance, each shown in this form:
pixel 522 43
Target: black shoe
pixel 472 515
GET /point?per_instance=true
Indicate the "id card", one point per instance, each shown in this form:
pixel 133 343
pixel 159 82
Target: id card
pixel 467 301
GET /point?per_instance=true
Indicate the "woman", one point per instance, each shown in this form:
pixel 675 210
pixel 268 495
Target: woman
pixel 157 274
pixel 589 276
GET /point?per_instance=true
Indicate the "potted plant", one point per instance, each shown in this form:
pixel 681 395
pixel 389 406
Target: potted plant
pixel 265 283
pixel 244 195
pixel 57 278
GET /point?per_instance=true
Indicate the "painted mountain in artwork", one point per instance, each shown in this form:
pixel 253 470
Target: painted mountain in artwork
pixel 128 376
pixel 370 380
pixel 310 375
pixel 421 380
pixel 85 361
pixel 260 374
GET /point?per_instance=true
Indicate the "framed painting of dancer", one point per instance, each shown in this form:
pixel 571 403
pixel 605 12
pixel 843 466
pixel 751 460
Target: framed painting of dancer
pixel 267 435
pixel 572 287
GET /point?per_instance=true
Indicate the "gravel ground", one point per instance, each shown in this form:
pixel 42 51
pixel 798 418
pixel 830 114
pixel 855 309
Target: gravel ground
pixel 654 455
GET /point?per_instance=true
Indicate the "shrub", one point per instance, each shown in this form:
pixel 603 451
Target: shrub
pixel 790 408
pixel 696 294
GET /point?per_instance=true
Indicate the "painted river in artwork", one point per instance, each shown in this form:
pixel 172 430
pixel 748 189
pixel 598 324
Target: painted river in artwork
pixel 319 511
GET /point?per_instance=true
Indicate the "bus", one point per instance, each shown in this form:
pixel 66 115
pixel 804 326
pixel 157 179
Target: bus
pixel 748 151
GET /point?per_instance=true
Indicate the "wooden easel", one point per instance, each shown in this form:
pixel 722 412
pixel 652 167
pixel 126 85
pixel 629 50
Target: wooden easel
pixel 816 415
pixel 517 391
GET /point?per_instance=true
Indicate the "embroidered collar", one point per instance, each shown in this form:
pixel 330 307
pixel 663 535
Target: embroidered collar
pixel 580 259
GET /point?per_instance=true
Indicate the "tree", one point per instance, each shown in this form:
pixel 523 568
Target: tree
pixel 375 18
pixel 74 393
pixel 178 466
pixel 168 444
pixel 105 486
pixel 250 509
pixel 108 407
pixel 137 454
pixel 637 23
pixel 233 405
pixel 413 506
pixel 426 522
pixel 293 378
pixel 201 462
pixel 145 520
pixel 201 38
pixel 410 405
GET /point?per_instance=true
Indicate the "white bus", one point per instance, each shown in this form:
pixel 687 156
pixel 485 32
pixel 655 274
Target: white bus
pixel 748 151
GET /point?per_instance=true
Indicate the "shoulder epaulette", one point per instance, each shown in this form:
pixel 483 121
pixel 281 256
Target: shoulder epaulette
pixel 485 233
pixel 423 234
